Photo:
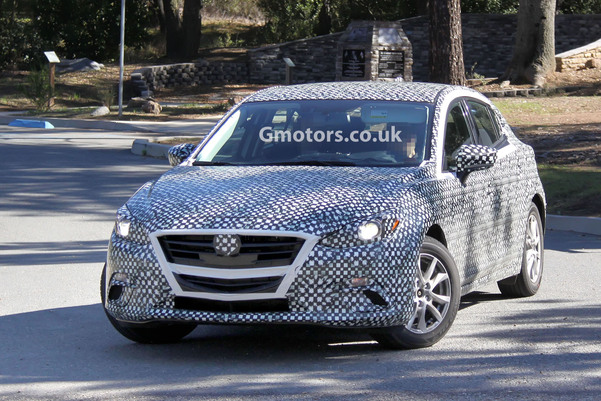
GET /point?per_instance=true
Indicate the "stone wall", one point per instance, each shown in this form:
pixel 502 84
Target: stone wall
pixel 202 72
pixel 314 59
pixel 488 40
pixel 488 46
pixel 588 56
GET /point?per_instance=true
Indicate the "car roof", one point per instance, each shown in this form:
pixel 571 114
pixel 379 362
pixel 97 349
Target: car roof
pixel 361 90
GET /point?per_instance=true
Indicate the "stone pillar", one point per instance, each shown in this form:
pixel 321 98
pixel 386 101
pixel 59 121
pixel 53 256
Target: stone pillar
pixel 374 51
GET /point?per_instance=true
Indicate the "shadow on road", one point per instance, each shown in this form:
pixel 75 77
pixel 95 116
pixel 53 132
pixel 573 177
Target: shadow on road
pixel 576 243
pixel 478 297
pixel 78 347
pixel 56 178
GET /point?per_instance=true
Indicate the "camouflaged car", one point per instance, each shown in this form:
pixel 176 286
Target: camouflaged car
pixel 369 205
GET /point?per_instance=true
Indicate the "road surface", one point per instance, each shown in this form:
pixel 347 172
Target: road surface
pixel 59 191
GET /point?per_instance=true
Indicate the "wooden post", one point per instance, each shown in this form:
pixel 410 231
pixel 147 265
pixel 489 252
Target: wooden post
pixel 53 60
pixel 52 73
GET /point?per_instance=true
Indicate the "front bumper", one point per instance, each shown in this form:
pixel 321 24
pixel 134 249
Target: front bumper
pixel 321 289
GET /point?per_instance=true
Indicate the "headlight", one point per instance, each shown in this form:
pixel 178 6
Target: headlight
pixel 362 232
pixel 369 230
pixel 122 226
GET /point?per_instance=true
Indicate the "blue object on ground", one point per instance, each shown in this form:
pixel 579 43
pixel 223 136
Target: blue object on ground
pixel 31 124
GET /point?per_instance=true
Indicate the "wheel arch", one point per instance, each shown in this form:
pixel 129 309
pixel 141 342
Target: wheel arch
pixel 540 205
pixel 436 232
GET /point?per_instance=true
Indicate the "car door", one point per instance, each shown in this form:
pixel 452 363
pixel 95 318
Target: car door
pixel 471 236
pixel 503 179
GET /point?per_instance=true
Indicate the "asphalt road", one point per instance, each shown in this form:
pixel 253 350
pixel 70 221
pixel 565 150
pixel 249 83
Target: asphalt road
pixel 58 195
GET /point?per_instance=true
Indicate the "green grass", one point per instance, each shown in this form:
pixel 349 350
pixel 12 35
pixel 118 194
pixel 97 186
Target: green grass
pixel 510 106
pixel 572 190
pixel 519 111
pixel 223 33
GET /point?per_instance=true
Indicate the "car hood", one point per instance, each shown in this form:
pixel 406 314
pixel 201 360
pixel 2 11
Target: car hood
pixel 310 199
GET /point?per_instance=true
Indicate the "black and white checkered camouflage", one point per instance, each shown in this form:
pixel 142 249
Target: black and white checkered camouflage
pixel 482 218
pixel 475 157
pixel 227 244
pixel 178 153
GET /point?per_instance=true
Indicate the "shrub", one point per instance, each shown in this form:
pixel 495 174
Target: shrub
pixel 37 88
pixel 107 95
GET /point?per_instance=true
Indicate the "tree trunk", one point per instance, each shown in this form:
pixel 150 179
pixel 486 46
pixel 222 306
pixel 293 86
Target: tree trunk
pixel 160 14
pixel 182 29
pixel 534 50
pixel 324 19
pixel 192 23
pixel 446 42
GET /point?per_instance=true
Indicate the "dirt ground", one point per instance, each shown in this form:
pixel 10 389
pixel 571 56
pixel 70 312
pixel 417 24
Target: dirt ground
pixel 565 128
pixel 565 144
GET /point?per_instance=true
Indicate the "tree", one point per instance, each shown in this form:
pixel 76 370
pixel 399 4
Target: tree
pixel 295 19
pixel 534 51
pixel 80 28
pixel 182 22
pixel 446 42
pixel 578 6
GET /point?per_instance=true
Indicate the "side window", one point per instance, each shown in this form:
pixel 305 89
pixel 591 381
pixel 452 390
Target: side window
pixel 457 133
pixel 487 130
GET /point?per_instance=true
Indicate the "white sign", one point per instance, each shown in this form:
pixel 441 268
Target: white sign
pixel 52 57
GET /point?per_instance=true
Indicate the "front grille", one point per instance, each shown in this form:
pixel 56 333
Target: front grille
pixel 229 286
pixel 206 305
pixel 255 252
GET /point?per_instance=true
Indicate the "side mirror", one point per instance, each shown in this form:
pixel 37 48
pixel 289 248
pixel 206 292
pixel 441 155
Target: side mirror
pixel 473 158
pixel 178 153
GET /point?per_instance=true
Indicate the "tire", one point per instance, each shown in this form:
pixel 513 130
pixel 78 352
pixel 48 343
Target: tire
pixel 437 296
pixel 145 333
pixel 527 282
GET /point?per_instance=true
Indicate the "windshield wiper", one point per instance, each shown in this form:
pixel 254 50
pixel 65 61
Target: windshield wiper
pixel 209 163
pixel 312 163
pixel 282 163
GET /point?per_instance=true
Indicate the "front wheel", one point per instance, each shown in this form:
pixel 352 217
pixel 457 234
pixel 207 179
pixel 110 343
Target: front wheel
pixel 145 333
pixel 437 295
pixel 528 281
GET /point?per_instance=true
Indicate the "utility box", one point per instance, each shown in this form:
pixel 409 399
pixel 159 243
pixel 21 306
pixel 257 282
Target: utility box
pixel 374 51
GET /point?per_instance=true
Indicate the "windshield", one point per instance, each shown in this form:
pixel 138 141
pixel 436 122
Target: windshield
pixel 321 132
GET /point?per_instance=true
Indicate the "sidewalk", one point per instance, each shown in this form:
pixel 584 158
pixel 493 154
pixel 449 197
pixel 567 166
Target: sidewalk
pixel 152 131
pixel 196 127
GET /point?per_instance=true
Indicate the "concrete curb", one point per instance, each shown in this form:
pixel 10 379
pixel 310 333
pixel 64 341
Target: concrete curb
pixel 79 123
pixel 144 147
pixel 583 225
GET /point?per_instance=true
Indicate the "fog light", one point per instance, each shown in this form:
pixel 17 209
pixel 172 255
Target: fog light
pixel 369 230
pixel 115 292
pixel 118 283
pixel 375 298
